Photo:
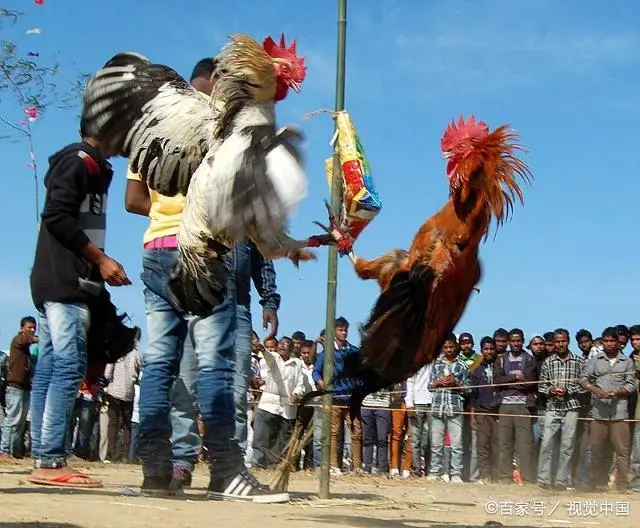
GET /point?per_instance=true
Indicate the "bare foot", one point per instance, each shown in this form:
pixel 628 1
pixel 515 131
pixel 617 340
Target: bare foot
pixel 63 477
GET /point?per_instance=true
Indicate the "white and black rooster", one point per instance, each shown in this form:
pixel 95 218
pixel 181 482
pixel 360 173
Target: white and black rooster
pixel 241 176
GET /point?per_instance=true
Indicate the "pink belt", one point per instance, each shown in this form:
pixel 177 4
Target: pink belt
pixel 165 242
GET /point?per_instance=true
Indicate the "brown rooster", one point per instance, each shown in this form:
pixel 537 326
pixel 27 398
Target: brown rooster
pixel 425 290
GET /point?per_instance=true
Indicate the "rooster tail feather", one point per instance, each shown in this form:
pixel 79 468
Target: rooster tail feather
pixel 395 328
pixel 199 295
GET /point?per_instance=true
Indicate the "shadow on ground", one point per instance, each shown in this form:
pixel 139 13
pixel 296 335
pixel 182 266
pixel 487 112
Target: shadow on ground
pixel 371 522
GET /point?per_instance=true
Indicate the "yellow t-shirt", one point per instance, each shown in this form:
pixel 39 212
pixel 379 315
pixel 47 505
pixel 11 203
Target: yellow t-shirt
pixel 165 212
pixel 164 215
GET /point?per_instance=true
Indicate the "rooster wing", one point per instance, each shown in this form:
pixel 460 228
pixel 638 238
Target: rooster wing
pixel 150 114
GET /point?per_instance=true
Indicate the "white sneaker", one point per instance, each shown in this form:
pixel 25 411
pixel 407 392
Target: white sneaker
pixel 406 473
pixel 336 472
pixel 445 478
pixel 434 478
pixel 374 471
pixel 394 472
pixel 244 487
pixel 481 482
pixel 456 479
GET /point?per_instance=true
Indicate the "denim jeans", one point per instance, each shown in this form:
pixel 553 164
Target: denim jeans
pixel 62 364
pixel 185 438
pixel 454 425
pixel 215 364
pixel 635 458
pixel 564 425
pixel 15 420
pixel 376 425
pixel 87 414
pixel 242 372
pixel 420 428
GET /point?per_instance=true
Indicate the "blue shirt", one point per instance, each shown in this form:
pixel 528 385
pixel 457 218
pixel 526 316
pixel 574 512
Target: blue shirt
pixel 249 264
pixel 342 386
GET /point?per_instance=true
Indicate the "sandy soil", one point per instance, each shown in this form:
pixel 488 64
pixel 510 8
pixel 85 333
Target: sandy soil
pixel 357 501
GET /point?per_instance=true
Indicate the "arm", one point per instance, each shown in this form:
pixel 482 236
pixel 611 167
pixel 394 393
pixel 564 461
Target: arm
pixel 263 275
pixel 318 371
pixel 137 199
pixel 108 372
pixel 66 191
pixel 408 397
pixel 630 385
pixel 545 383
pixel 574 387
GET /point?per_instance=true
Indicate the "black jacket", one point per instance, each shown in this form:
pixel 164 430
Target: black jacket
pixel 74 214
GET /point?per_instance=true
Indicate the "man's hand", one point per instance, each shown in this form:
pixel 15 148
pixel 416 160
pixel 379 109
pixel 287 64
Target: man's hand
pixel 295 399
pixel 519 377
pixel 320 341
pixel 558 392
pixel 621 393
pixel 599 393
pixel 270 318
pixel 320 384
pixel 112 272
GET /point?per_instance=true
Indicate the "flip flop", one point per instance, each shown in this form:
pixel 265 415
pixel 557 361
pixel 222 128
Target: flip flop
pixel 63 481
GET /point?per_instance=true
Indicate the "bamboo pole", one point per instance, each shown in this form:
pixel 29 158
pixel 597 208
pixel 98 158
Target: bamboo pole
pixel 332 267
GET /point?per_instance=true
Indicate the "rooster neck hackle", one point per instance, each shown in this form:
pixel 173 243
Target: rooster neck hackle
pixel 246 78
pixel 487 184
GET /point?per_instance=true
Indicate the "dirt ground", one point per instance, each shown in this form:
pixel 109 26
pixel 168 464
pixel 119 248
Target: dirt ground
pixel 357 501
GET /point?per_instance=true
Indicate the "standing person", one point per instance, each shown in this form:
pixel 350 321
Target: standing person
pixel 418 400
pixel 485 401
pixel 121 380
pixel 214 341
pixel 68 276
pixel 448 376
pixel 560 383
pixel 19 372
pixel 610 377
pixel 516 401
pixel 469 436
pixel 376 426
pixel 342 388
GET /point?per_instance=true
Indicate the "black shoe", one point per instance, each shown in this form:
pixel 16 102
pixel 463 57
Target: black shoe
pixel 156 487
pixel 244 486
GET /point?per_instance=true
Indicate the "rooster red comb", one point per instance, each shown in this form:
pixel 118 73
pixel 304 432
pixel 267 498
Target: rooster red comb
pixel 462 131
pixel 280 51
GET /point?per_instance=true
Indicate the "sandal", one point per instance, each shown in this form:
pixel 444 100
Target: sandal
pixel 64 481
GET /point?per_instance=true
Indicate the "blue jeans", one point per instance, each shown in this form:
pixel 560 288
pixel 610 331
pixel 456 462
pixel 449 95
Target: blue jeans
pixel 454 425
pixel 185 437
pixel 15 420
pixel 87 414
pixel 215 364
pixel 62 364
pixel 242 372
pixel 565 426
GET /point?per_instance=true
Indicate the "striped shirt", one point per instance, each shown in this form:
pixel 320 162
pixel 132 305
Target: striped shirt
pixel 565 374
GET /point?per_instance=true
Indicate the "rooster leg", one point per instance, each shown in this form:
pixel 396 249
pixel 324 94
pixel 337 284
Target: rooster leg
pixel 382 268
pixel 284 246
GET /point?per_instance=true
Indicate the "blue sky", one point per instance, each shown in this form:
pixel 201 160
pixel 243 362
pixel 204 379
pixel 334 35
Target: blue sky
pixel 564 74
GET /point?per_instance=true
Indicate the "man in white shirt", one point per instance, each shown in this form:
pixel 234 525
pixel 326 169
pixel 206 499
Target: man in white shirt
pixel 418 401
pixel 276 413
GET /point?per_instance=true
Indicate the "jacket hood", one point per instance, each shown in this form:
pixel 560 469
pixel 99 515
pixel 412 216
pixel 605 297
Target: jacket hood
pixel 54 159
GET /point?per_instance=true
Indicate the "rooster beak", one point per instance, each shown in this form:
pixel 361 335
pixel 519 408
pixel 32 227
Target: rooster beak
pixel 447 154
pixel 295 86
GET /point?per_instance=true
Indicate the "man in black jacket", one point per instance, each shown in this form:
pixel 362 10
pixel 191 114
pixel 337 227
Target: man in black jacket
pixel 68 274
